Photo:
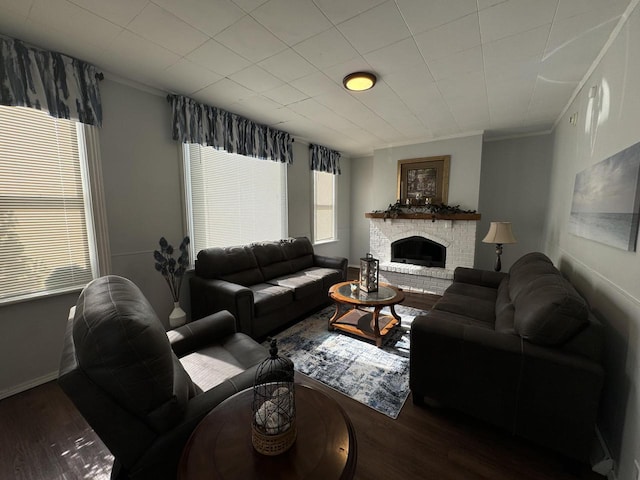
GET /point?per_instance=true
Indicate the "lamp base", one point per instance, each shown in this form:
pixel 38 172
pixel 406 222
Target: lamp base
pixel 498 265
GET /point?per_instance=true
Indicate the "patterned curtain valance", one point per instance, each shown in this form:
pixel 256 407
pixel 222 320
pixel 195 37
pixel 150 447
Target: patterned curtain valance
pixel 324 159
pixel 61 85
pixel 193 122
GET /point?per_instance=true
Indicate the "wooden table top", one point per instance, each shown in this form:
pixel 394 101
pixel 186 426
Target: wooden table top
pixel 220 447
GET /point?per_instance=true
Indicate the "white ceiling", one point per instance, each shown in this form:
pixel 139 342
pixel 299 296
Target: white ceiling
pixel 445 67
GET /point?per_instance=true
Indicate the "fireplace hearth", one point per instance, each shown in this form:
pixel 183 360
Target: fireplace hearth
pixel 418 250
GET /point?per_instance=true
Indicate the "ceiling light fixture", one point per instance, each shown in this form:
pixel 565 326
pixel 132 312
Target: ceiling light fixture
pixel 359 81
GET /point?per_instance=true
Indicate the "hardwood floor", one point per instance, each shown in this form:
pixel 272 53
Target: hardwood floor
pixel 42 436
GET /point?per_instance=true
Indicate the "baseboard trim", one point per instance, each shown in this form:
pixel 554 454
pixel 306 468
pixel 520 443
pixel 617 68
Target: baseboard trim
pixel 600 458
pixel 27 385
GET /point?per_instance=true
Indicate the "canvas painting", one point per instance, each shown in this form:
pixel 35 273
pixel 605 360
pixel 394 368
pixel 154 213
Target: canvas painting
pixel 606 200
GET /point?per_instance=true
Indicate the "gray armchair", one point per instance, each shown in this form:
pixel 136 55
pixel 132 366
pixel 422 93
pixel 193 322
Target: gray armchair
pixel 144 390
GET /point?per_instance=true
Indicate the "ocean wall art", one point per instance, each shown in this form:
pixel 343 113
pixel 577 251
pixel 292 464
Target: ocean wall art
pixel 606 200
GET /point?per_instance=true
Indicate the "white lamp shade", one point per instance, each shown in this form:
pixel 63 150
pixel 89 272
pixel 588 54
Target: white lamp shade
pixel 499 232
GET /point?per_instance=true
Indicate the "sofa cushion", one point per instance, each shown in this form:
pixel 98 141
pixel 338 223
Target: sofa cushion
pixel 301 284
pixel 526 270
pixel 549 311
pixel 329 276
pixel 473 291
pixel 528 258
pixel 444 318
pixel 231 359
pixel 299 252
pixel 211 366
pixel 271 259
pixel 233 264
pixel 588 341
pixel 480 310
pixel 268 298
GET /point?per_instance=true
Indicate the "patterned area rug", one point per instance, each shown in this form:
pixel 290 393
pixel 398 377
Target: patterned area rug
pixel 377 377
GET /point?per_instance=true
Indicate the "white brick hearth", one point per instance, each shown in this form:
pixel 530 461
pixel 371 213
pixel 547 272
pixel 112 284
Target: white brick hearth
pixel 458 236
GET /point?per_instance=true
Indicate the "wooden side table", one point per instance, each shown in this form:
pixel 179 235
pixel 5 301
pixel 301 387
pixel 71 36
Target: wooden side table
pixel 220 447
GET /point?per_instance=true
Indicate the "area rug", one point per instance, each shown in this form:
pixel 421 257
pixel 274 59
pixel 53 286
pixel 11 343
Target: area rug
pixel 377 377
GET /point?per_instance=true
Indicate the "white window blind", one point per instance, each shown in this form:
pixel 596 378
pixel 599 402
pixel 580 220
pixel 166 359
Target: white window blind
pixel 324 207
pixel 233 199
pixel 44 241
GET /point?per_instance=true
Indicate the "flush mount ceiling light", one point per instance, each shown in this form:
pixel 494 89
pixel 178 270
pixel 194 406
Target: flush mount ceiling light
pixel 359 81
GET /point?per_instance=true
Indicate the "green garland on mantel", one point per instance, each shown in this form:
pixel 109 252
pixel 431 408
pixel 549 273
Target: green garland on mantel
pixel 395 209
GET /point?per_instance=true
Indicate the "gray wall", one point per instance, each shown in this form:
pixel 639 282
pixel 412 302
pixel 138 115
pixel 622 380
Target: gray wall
pixel 514 187
pixel 607 276
pixel 31 341
pixel 464 172
pixel 362 201
pixel 142 182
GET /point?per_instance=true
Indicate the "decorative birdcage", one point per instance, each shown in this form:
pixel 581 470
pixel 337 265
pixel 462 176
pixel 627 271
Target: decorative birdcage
pixel 273 425
pixel 369 273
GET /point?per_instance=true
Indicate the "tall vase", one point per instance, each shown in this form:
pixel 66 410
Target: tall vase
pixel 177 316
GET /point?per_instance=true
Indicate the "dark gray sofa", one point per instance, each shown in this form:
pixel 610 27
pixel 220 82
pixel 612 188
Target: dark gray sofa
pixel 264 285
pixel 519 350
pixel 143 390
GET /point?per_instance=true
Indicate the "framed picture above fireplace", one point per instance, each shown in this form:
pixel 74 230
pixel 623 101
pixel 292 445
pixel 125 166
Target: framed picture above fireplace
pixel 423 180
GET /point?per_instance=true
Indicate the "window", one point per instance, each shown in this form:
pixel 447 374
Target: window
pixel 46 244
pixel 232 199
pixel 324 207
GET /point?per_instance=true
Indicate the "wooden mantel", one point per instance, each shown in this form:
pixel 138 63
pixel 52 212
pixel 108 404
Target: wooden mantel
pixel 426 216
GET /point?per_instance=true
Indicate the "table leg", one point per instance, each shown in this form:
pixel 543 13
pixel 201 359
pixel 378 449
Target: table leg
pixel 395 315
pixel 333 319
pixel 374 325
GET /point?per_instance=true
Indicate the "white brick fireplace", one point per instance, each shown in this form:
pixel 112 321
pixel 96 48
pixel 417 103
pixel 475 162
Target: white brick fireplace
pixel 458 236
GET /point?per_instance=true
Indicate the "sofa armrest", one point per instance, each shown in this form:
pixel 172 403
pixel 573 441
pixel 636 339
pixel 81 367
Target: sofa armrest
pixel 169 445
pixel 338 263
pixel 475 276
pixel 201 333
pixel 559 399
pixel 544 394
pixel 471 368
pixel 210 296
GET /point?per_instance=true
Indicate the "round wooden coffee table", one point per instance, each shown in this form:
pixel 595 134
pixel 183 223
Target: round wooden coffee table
pixel 220 447
pixel 359 319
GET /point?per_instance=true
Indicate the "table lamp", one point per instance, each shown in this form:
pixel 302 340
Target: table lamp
pixel 499 233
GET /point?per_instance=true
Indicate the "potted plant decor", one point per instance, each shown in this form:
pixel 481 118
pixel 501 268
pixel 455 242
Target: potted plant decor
pixel 173 270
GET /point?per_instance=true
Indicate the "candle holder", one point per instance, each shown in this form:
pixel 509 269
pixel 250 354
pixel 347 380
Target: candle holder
pixel 369 272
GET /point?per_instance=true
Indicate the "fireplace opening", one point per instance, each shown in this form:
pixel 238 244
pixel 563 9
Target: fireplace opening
pixel 418 251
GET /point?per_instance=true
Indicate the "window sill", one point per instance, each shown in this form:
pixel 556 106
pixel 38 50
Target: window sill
pixel 38 296
pixel 326 242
